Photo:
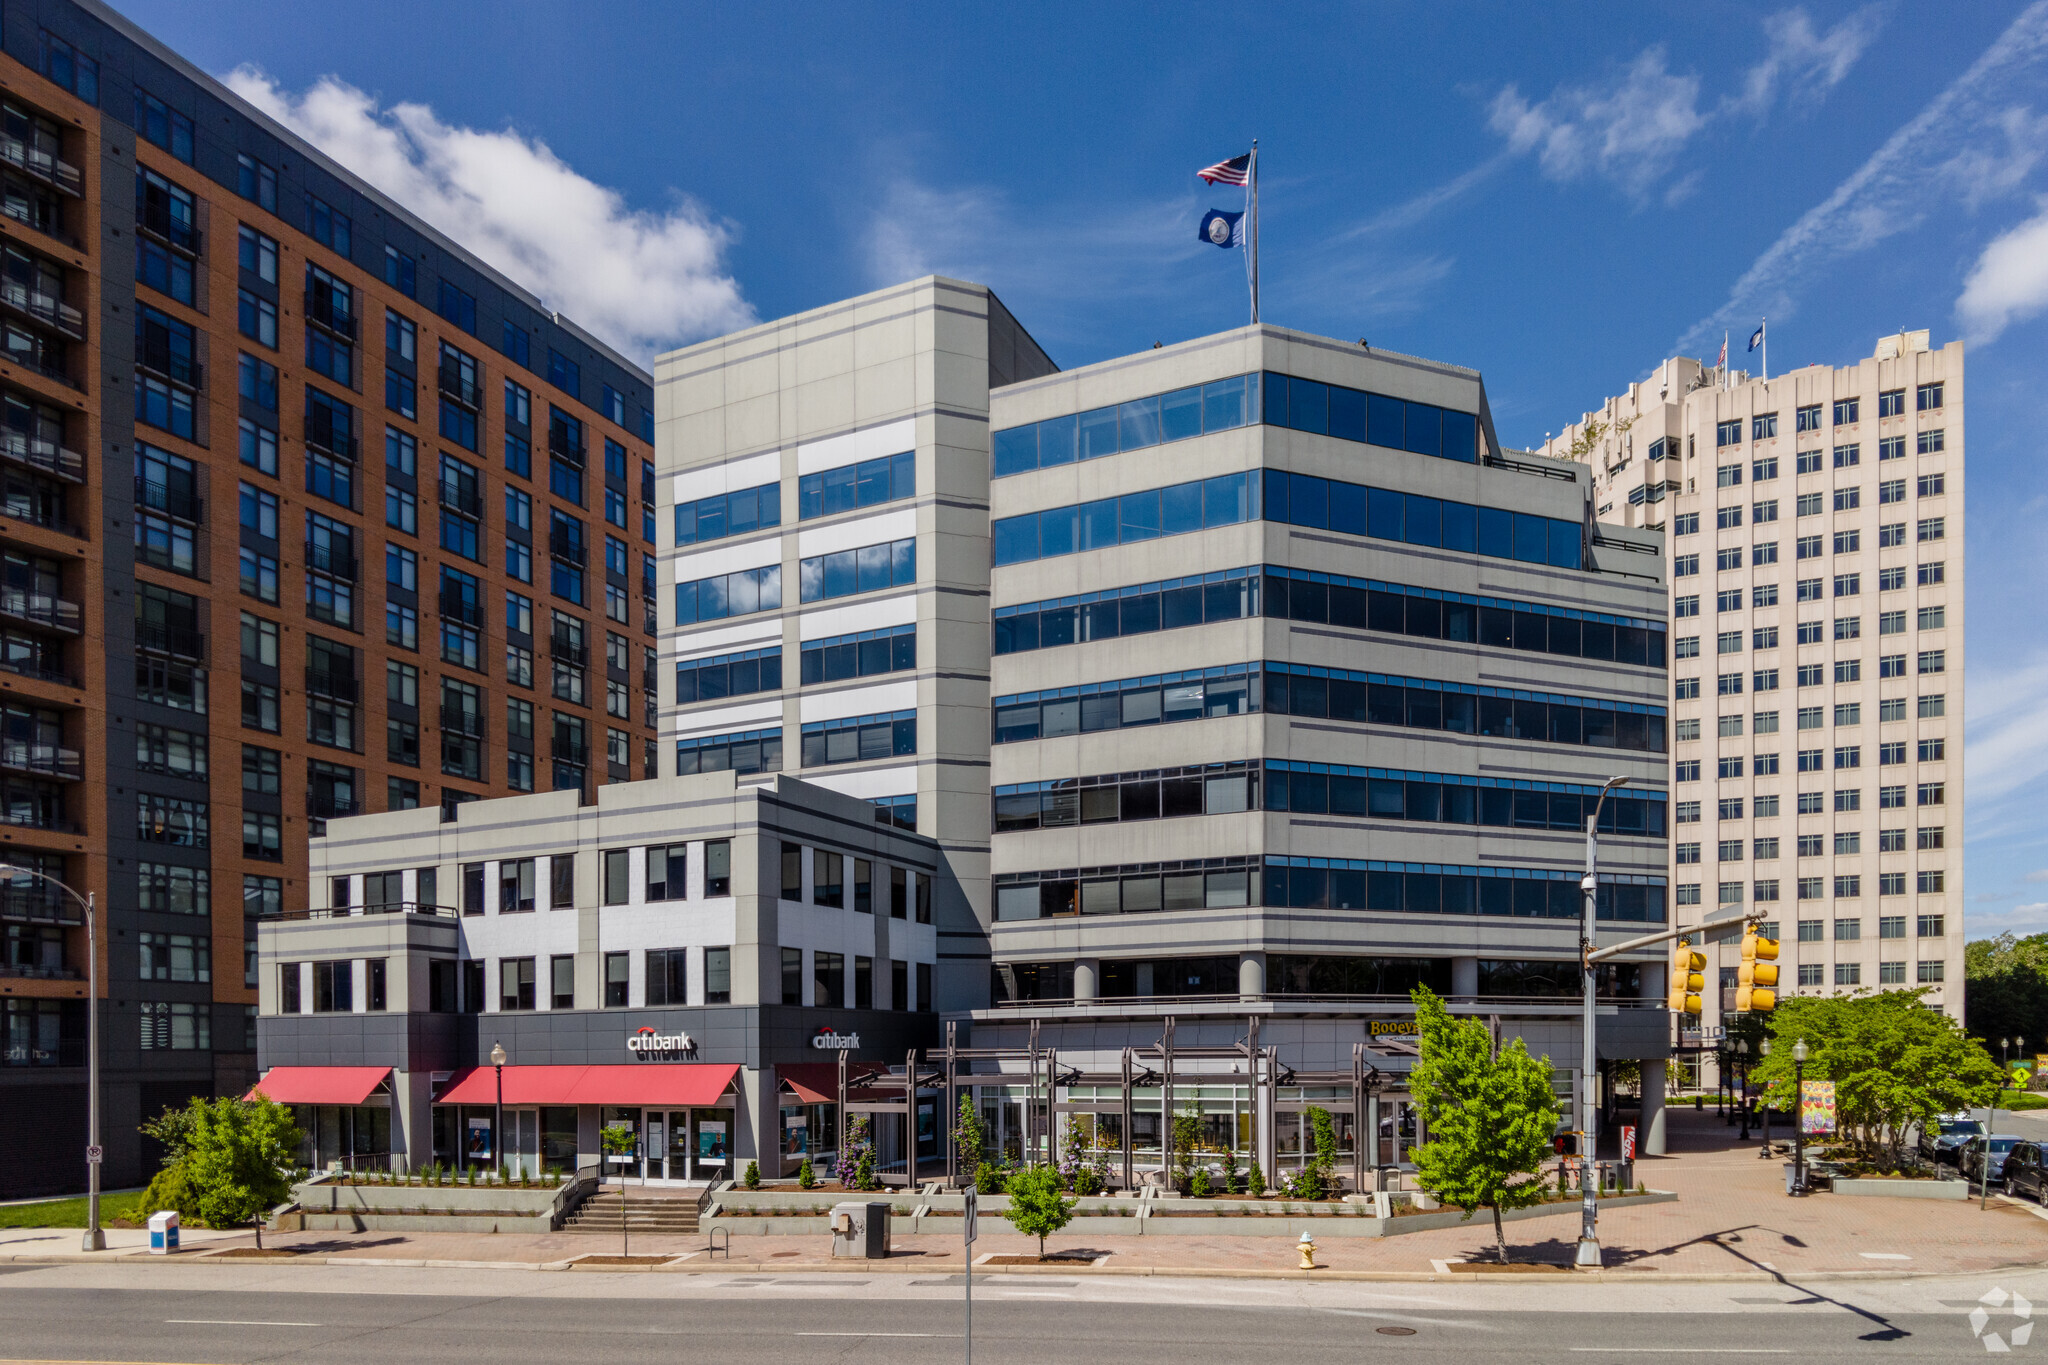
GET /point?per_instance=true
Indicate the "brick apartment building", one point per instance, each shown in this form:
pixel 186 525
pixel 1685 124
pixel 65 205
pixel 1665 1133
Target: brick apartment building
pixel 307 512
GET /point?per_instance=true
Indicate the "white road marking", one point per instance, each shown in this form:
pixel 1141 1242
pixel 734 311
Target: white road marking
pixel 875 1334
pixel 1884 1256
pixel 235 1322
pixel 1691 1350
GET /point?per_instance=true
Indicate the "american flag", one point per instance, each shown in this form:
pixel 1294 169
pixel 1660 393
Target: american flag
pixel 1235 171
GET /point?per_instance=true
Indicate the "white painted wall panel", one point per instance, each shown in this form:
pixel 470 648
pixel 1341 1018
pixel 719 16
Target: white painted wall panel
pixel 900 524
pixel 879 614
pixel 892 439
pixel 860 701
pixel 731 476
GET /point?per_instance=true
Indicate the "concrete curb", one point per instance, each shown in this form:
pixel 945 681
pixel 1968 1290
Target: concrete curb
pixel 689 1265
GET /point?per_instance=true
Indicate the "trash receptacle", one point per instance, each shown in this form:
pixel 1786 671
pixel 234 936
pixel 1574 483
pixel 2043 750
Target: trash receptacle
pixel 163 1232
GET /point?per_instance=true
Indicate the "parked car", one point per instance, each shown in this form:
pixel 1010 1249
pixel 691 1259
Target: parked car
pixel 1983 1158
pixel 2026 1173
pixel 1940 1138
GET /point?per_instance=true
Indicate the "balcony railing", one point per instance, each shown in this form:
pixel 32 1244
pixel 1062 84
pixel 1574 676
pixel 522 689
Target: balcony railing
pixel 569 651
pixel 569 751
pixel 336 561
pixel 43 164
pixel 156 220
pixel 321 430
pixel 157 355
pixel 569 447
pixel 383 908
pixel 465 498
pixel 50 760
pixel 324 308
pixel 27 817
pixel 181 503
pixel 568 550
pixel 47 309
pixel 457 608
pixel 40 973
pixel 181 641
pixel 38 904
pixel 48 456
pixel 327 683
pixel 466 392
pixel 37 511
pixel 42 608
pixel 331 805
pixel 460 720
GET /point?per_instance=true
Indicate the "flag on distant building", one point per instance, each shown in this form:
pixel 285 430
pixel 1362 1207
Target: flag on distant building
pixel 1236 171
pixel 1222 229
pixel 1722 363
pixel 1756 338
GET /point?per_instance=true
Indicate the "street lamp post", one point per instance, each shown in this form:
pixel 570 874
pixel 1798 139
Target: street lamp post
pixel 1799 1117
pixel 1763 1049
pixel 2005 1048
pixel 95 1238
pixel 498 1122
pixel 1589 1073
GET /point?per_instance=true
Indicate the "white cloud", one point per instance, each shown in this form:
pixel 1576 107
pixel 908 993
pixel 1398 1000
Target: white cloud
pixel 1629 134
pixel 2038 875
pixel 1961 144
pixel 1631 131
pixel 641 280
pixel 2020 919
pixel 2007 730
pixel 2009 282
pixel 1807 63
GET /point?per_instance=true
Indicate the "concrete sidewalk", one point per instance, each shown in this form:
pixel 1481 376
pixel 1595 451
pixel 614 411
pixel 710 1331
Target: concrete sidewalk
pixel 1732 1219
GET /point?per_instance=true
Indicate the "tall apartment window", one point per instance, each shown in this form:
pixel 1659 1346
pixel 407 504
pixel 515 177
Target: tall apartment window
pixel 516 886
pixel 400 272
pixel 256 181
pixel 516 344
pixel 515 983
pixel 718 867
pixel 667 867
pixel 461 388
pixel 565 374
pixel 718 976
pixel 617 877
pixel 327 225
pixel 157 122
pixel 330 307
pixel 458 306
pixel 618 968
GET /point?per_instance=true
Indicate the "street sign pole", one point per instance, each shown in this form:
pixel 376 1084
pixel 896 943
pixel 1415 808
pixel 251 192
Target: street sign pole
pixel 970 1230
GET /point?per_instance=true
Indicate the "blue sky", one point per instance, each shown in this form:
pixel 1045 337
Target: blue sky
pixel 1559 195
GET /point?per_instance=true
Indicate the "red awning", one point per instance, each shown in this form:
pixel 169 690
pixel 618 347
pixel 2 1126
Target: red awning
pixel 678 1084
pixel 320 1084
pixel 818 1082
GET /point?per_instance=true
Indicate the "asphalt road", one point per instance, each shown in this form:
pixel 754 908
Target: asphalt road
pixel 161 1314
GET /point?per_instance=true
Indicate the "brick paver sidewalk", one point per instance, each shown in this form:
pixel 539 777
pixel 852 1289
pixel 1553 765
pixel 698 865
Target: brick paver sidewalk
pixel 1732 1217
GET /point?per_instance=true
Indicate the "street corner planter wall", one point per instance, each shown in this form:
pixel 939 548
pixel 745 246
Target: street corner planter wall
pixel 1450 1218
pixel 1903 1189
pixel 332 1197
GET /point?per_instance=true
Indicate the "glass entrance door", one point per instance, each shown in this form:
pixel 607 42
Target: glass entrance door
pixel 522 1142
pixel 679 1145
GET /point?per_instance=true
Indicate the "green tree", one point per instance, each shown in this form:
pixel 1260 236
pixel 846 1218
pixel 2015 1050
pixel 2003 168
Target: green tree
pixel 1895 1064
pixel 1490 1116
pixel 1037 1206
pixel 2006 986
pixel 619 1140
pixel 970 1137
pixel 237 1159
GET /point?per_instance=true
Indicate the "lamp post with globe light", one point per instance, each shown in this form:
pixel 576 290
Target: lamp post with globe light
pixel 1799 1055
pixel 1763 1049
pixel 498 1122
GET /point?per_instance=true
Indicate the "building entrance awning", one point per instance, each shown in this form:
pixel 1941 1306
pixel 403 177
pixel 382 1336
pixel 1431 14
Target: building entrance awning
pixel 320 1084
pixel 818 1082
pixel 678 1085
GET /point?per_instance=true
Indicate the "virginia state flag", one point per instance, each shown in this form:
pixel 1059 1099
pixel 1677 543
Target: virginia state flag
pixel 1222 229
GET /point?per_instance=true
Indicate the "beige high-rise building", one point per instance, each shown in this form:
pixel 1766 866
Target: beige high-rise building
pixel 1816 538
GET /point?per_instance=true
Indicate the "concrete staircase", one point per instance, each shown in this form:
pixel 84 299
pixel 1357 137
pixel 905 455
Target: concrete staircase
pixel 607 1211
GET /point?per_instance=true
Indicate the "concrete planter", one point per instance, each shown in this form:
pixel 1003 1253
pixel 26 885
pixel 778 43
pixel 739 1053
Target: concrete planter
pixel 1902 1189
pixel 334 1198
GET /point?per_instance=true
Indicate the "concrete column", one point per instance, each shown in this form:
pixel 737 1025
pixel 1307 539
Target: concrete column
pixel 1464 976
pixel 1651 1138
pixel 1251 975
pixel 756 1122
pixel 1086 973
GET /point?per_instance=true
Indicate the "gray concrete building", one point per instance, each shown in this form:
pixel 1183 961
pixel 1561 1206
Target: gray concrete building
pixel 1815 534
pixel 1244 683
pixel 1303 687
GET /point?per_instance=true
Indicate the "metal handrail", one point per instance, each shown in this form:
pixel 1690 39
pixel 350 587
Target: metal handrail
pixel 158 638
pixel 427 908
pixel 51 760
pixel 468 394
pixel 49 456
pixel 44 165
pixel 42 608
pixel 319 305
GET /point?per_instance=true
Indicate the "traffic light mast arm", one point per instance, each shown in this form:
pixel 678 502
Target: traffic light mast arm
pixel 1665 936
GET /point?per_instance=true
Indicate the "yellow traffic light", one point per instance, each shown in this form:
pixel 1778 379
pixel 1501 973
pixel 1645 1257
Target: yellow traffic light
pixel 1688 979
pixel 1757 978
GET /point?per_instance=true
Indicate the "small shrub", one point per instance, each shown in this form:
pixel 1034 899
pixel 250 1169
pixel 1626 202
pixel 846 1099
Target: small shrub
pixel 864 1171
pixel 1199 1184
pixel 169 1190
pixel 1255 1180
pixel 753 1176
pixel 806 1175
pixel 1087 1182
pixel 990 1178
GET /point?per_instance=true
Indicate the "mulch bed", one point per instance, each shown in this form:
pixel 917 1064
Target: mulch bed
pixel 254 1253
pixel 1050 1258
pixel 1511 1268
pixel 623 1260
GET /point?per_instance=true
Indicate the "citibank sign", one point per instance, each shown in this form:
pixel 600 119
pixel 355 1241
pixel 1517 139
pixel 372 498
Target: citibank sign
pixel 646 1042
pixel 829 1039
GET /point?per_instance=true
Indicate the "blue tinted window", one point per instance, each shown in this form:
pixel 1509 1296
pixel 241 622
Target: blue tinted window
pixel 1383 514
pixel 866 484
pixel 1276 400
pixel 1565 540
pixel 1308 501
pixel 1383 422
pixel 517 345
pixel 1058 441
pixel 1461 437
pixel 1139 514
pixel 1226 500
pixel 1461 526
pixel 1423 522
pixel 1532 538
pixel 1138 424
pixel 1180 415
pixel 1425 429
pixel 1180 509
pixel 1057 529
pixel 1348 503
pixel 1098 433
pixel 457 306
pixel 726 514
pixel 1347 414
pixel 1225 404
pixel 1016 450
pixel 1308 405
pixel 1016 539
pixel 1496 533
pixel 564 373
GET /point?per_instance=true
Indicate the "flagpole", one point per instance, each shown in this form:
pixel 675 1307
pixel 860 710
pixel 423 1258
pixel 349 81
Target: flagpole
pixel 1763 336
pixel 1252 187
pixel 1727 372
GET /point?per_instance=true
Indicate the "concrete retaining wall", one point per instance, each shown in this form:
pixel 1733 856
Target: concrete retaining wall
pixel 1903 1189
